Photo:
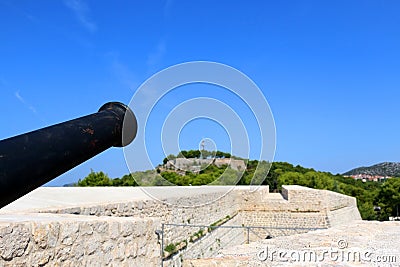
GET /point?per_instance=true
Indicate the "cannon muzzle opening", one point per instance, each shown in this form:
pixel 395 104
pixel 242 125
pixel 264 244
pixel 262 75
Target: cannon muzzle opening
pixel 32 159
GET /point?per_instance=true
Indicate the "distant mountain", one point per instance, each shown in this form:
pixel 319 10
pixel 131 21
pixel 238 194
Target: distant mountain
pixel 391 169
pixel 69 185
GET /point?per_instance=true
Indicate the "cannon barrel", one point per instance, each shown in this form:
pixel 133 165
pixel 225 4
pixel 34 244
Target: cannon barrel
pixel 32 159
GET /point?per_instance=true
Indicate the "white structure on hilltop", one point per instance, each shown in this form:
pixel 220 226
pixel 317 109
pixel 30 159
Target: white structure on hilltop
pixel 195 164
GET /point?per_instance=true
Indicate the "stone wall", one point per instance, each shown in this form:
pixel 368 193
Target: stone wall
pixel 297 210
pixel 169 211
pixel 124 232
pixel 68 240
pixel 210 244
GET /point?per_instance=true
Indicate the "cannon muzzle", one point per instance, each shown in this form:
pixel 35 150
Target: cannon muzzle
pixel 32 159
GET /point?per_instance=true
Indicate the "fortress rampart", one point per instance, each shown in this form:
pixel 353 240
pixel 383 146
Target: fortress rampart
pixel 117 226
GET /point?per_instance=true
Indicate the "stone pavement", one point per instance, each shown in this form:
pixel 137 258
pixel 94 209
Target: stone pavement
pixel 362 243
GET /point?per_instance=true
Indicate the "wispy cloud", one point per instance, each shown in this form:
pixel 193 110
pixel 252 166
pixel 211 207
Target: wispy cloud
pixel 122 71
pixel 22 100
pixel 156 56
pixel 13 5
pixel 81 11
pixel 167 8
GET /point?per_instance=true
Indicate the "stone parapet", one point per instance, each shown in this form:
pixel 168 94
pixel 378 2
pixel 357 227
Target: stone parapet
pixel 68 240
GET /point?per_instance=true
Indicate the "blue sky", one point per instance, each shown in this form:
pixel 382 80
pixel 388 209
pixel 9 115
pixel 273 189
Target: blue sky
pixel 328 69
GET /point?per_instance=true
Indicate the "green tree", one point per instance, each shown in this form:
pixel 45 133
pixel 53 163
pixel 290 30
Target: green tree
pixel 128 180
pixel 228 177
pixel 169 157
pixel 95 179
pixel 388 198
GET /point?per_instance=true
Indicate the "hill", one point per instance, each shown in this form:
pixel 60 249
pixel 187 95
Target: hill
pixel 391 169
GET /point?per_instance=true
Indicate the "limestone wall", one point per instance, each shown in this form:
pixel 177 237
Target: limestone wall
pixel 297 210
pixel 167 212
pixel 68 240
pixel 211 244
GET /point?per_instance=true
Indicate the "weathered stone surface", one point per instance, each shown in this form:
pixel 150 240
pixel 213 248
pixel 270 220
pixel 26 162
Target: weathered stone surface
pixel 13 241
pixel 131 249
pixel 69 233
pixel 114 230
pixel 107 247
pixel 118 253
pixel 127 229
pixel 86 229
pixel 100 227
pixel 62 253
pixel 40 235
pixel 77 251
pixel 93 246
pixel 53 233
pixel 41 258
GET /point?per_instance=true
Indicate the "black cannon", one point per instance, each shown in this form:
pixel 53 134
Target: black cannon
pixel 32 159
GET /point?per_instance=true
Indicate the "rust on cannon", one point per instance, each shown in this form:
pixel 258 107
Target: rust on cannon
pixel 30 160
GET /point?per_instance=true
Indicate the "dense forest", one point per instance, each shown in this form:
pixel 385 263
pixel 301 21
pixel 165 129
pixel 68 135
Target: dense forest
pixel 386 195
